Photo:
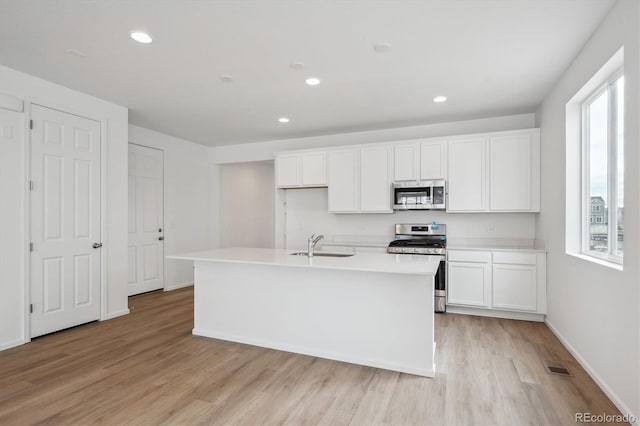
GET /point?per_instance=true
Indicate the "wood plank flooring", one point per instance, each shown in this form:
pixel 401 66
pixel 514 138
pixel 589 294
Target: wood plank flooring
pixel 147 368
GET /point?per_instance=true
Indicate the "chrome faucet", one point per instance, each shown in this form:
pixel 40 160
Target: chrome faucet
pixel 313 240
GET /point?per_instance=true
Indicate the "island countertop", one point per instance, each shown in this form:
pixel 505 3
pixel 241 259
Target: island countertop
pixel 366 262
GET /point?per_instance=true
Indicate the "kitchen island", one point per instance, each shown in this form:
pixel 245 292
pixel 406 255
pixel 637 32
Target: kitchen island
pixel 369 309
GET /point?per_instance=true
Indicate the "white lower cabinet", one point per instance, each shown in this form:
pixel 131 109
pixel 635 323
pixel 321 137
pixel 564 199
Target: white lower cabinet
pixel 514 287
pixel 469 278
pixel 497 281
pixel 468 283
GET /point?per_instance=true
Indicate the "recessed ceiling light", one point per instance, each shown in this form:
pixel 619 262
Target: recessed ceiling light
pixel 76 52
pixel 283 120
pixel 312 81
pixel 381 47
pixel 296 66
pixel 141 37
pixel 439 99
pixel 226 78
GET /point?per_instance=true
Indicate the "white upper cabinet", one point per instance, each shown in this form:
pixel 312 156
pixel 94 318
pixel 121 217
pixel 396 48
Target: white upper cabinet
pixel 467 175
pixel 514 167
pixel 360 179
pixel 433 160
pixel 494 172
pixel 420 160
pixel 301 169
pixel 406 161
pixel 314 168
pixel 287 170
pixel 375 179
pixel 344 181
pixel 488 172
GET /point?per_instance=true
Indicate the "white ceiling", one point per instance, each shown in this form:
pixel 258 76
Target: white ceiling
pixel 490 57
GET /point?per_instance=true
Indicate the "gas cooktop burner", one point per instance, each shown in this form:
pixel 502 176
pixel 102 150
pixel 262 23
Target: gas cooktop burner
pixel 419 239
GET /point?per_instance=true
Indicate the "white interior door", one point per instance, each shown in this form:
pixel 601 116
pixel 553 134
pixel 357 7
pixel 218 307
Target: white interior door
pixel 65 220
pixel 146 229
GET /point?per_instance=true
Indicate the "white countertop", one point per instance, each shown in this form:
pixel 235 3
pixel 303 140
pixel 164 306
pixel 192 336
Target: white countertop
pixel 356 243
pixel 494 248
pixel 367 262
pixel 496 244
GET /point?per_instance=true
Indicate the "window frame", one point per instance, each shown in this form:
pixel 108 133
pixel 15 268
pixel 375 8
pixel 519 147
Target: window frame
pixel 612 170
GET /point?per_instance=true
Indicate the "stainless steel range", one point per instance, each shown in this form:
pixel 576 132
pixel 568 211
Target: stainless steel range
pixel 426 239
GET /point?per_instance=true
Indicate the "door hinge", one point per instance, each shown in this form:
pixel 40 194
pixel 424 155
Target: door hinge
pixel 30 247
pixel 31 124
pixel 30 185
pixel 31 308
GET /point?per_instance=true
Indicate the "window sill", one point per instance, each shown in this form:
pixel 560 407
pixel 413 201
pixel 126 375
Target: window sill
pixel 601 262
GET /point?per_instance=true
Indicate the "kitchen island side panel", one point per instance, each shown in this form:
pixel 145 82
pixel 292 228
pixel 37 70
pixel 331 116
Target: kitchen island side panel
pixel 382 320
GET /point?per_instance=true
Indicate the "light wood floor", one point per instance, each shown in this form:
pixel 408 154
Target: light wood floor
pixel 147 368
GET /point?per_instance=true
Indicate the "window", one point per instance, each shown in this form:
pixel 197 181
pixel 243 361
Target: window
pixel 603 171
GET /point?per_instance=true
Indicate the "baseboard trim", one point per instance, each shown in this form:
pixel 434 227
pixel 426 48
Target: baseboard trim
pixel 177 286
pixel 593 374
pixel 116 314
pixel 425 372
pixel 494 313
pixel 12 344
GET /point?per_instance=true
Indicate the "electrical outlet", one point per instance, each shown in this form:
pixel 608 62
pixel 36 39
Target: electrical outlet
pixel 491 228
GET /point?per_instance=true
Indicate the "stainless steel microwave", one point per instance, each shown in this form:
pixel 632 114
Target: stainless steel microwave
pixel 422 195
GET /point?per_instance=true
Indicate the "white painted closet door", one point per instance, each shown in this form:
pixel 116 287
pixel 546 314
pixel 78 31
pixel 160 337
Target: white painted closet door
pixel 146 248
pixel 65 220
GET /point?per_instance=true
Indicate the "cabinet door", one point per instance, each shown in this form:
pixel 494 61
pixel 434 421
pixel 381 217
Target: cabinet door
pixel 510 172
pixel 314 169
pixel 433 160
pixel 343 181
pixel 468 283
pixel 405 161
pixel 514 287
pixel 287 172
pixel 375 179
pixel 467 177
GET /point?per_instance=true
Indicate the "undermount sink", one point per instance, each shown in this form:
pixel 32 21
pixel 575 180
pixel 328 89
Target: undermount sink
pixel 321 254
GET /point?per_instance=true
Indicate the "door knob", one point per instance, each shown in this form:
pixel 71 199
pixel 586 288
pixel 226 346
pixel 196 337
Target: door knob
pixel 97 245
pixel 161 238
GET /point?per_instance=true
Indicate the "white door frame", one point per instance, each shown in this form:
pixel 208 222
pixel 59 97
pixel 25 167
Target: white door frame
pixel 164 197
pixel 103 204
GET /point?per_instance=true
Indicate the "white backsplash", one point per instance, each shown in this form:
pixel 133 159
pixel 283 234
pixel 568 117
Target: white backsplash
pixel 307 213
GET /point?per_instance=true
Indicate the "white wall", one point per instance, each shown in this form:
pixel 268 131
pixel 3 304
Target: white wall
pixel 307 213
pixel 595 309
pixel 186 200
pixel 114 118
pixel 247 194
pixel 12 244
pixel 266 150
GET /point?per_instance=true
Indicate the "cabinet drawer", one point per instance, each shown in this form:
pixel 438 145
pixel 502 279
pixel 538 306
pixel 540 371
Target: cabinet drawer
pixel 468 256
pixel 514 258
